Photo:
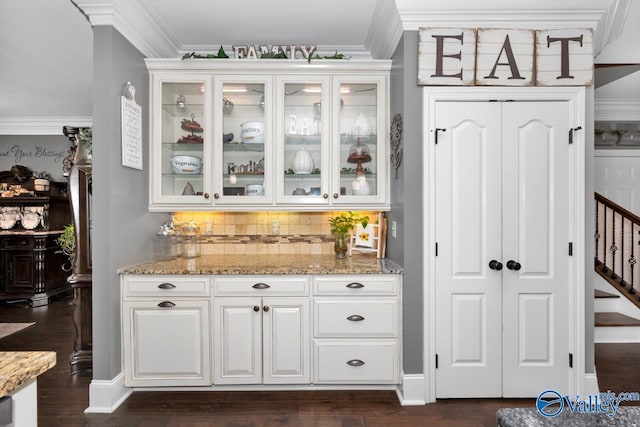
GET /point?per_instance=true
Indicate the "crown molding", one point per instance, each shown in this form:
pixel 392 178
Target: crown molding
pixel 41 125
pixel 617 110
pixel 135 21
pixel 385 30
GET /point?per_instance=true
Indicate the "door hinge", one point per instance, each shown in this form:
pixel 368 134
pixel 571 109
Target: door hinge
pixel 571 360
pixel 570 248
pixel 439 130
pixel 571 131
pixel 436 248
pixel 436 361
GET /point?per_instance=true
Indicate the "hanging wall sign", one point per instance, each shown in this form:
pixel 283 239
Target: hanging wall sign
pixel 131 128
pixel 505 57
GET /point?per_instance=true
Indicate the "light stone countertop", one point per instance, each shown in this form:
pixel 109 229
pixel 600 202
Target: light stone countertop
pixel 267 265
pixel 19 367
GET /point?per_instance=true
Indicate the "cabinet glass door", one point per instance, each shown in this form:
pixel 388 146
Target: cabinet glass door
pixel 182 167
pixel 243 153
pixel 303 137
pixel 359 141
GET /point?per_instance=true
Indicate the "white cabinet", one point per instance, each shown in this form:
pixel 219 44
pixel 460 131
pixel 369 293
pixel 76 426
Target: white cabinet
pixel 274 330
pixel 165 329
pixel 284 136
pixel 356 329
pixel 259 338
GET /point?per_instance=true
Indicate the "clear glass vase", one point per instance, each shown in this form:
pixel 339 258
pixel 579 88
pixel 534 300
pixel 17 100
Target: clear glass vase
pixel 340 245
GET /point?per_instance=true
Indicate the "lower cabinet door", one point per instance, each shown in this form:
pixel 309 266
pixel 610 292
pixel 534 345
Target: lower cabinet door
pixel 237 340
pixel 286 341
pixel 356 361
pixel 166 343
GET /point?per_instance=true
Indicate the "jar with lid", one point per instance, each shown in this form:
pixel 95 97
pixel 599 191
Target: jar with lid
pixel 163 245
pixel 190 240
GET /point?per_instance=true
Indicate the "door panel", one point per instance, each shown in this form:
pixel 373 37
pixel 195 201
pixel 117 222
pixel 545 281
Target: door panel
pixel 536 230
pixel 287 345
pixel 238 341
pixel 468 236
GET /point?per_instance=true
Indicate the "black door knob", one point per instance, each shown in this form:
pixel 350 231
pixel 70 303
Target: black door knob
pixel 495 265
pixel 513 265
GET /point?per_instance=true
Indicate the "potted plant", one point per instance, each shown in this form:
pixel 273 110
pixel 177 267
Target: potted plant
pixel 341 226
pixel 67 243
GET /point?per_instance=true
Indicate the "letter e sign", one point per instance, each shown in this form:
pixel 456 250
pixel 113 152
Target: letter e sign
pixel 446 56
pixel 564 57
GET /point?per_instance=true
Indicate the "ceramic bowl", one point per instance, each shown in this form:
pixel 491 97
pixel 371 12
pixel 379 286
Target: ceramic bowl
pixel 254 190
pixel 188 165
pixel 30 220
pixel 252 132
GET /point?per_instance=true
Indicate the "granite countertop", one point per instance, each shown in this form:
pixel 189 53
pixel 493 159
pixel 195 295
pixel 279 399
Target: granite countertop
pixel 19 367
pixel 625 416
pixel 266 265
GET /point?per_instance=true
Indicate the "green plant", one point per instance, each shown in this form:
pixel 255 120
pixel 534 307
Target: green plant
pixel 42 175
pixel 343 223
pixel 67 243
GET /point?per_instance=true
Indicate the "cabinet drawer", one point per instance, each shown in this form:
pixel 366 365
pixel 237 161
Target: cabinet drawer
pixel 165 286
pixel 18 243
pixel 386 284
pixel 361 362
pixel 260 286
pixel 365 318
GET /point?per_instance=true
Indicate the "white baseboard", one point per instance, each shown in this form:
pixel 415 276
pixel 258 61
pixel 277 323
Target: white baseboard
pixel 590 384
pixel 412 390
pixel 106 395
pixel 616 334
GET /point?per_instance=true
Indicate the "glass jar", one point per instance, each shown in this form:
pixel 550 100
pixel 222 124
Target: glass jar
pixel 191 240
pixel 163 245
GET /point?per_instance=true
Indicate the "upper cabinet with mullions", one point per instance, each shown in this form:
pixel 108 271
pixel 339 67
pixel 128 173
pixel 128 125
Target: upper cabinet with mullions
pixel 268 135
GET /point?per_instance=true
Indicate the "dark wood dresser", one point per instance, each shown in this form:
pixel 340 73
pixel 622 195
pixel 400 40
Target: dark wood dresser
pixel 32 267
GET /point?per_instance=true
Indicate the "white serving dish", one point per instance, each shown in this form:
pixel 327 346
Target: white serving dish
pixel 30 220
pixel 186 165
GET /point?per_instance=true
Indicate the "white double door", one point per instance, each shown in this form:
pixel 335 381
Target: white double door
pixel 503 268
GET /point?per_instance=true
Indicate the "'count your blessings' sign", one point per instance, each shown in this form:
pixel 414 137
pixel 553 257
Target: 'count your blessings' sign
pixel 505 57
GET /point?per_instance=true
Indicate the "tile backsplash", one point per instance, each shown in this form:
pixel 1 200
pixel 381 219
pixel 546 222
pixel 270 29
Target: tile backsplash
pixel 264 232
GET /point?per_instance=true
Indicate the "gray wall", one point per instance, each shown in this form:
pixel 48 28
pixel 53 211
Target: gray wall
pixel 406 197
pixel 122 227
pixel 37 152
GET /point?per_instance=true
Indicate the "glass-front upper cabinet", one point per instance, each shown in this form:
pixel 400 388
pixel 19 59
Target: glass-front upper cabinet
pixel 181 168
pixel 303 123
pixel 243 140
pixel 359 140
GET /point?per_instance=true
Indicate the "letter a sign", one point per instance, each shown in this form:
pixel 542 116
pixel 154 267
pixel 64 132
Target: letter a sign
pixel 505 57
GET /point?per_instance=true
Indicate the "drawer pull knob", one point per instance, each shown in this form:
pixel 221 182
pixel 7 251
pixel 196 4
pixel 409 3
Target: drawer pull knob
pixel 256 308
pixel 355 285
pixel 355 362
pixel 166 304
pixel 166 286
pixel 355 318
pixel 266 308
pixel 261 286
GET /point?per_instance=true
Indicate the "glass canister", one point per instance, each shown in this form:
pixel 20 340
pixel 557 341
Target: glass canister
pixel 191 240
pixel 163 245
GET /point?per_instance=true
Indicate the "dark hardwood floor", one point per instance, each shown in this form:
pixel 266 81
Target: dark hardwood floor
pixel 62 397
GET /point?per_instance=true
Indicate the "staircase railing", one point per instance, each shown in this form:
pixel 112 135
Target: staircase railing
pixel 617 246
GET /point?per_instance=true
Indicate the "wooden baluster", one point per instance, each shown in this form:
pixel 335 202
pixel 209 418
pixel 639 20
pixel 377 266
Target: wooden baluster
pixel 604 246
pixel 613 249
